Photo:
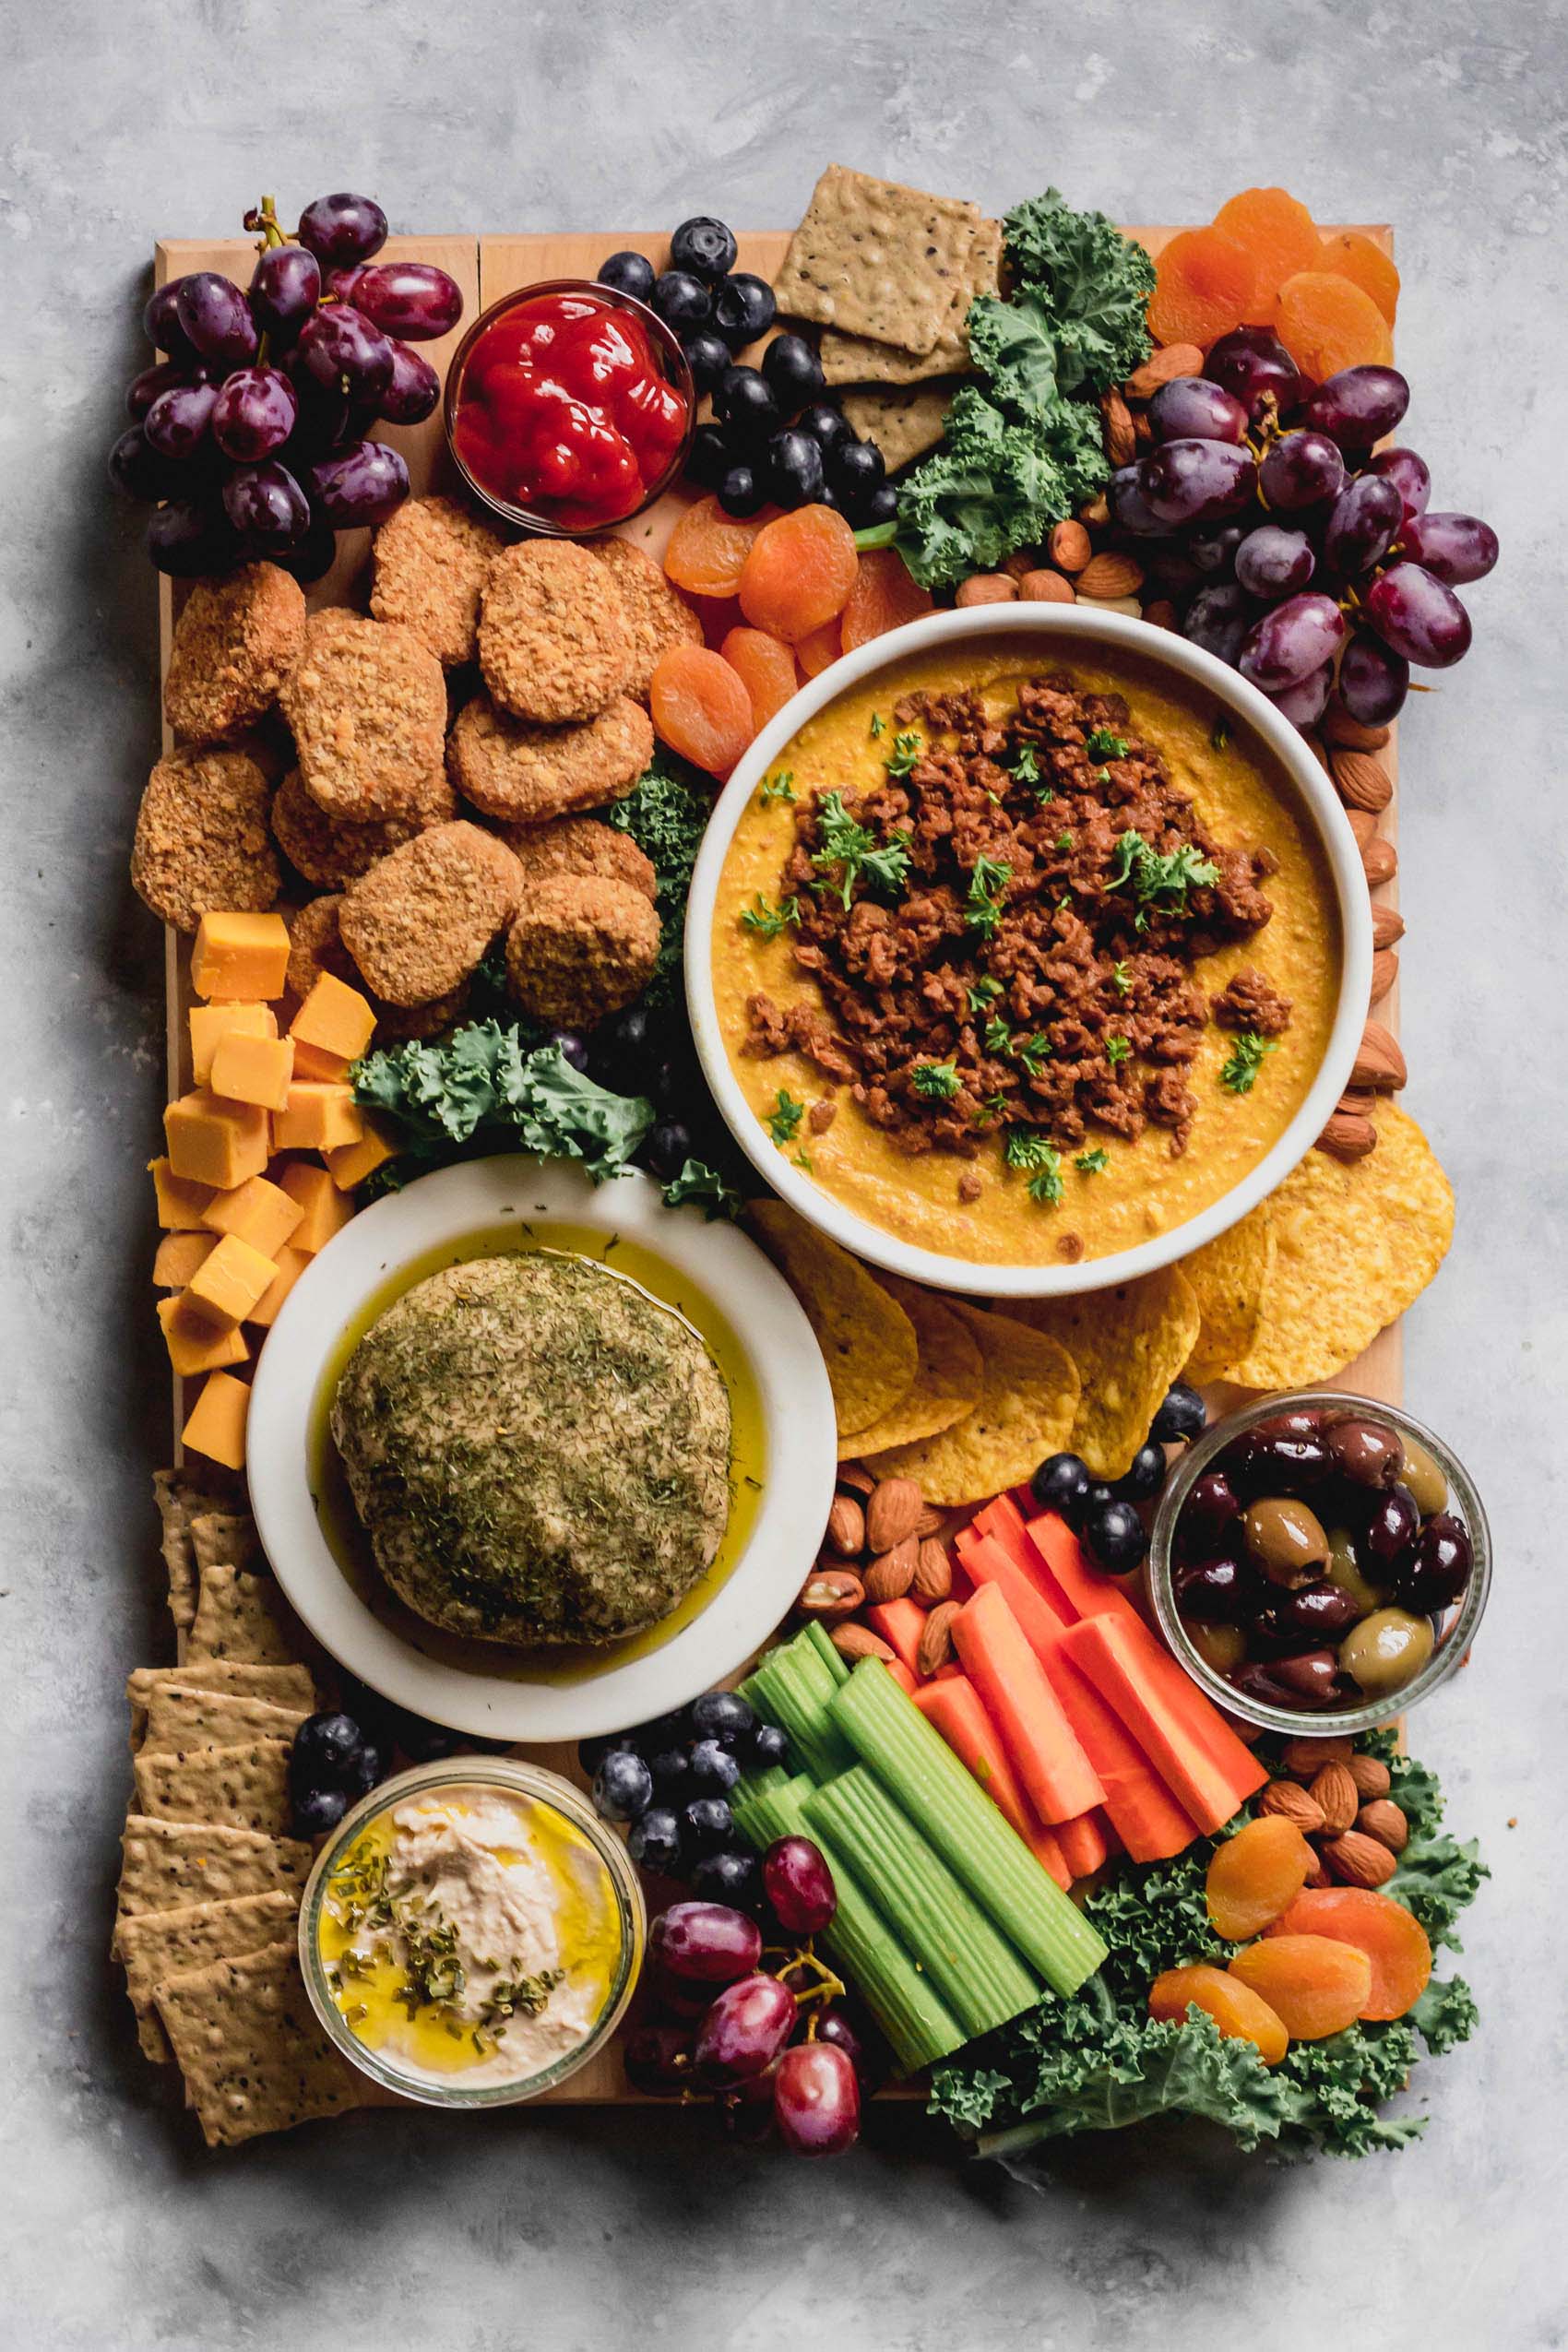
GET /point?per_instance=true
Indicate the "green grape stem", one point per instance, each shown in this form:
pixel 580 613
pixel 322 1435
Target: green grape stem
pixel 264 222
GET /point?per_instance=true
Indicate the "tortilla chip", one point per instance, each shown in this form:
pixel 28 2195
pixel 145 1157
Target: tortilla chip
pixel 169 1864
pixel 243 1786
pixel 227 1540
pixel 286 1686
pixel 180 1500
pixel 1028 1393
pixel 880 259
pixel 868 1342
pixel 904 423
pixel 1228 1275
pixel 245 1616
pixel 1354 1246
pixel 179 1717
pixel 947 1380
pixel 170 1943
pixel 252 2053
pixel 1129 1343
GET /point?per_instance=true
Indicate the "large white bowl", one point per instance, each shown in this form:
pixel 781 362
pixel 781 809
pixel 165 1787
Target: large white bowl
pixel 1053 632
pixel 800 1436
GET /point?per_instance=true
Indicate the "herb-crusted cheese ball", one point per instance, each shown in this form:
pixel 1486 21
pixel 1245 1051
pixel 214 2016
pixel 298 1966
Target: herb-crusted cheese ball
pixel 539 1451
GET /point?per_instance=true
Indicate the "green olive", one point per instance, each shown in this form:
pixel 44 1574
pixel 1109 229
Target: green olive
pixel 1386 1650
pixel 1222 1646
pixel 1287 1539
pixel 1344 1570
pixel 1424 1479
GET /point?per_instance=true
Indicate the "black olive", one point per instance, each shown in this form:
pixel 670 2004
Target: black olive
pixel 1391 1529
pixel 1312 1677
pixel 1217 1592
pixel 1367 1452
pixel 1211 1509
pixel 1437 1568
pixel 1320 1612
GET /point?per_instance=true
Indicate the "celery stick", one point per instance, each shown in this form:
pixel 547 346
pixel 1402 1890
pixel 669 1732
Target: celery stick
pixel 816 1634
pixel 914 1762
pixel 794 1689
pixel 980 1976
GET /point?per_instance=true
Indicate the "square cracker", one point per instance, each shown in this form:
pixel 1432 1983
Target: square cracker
pixel 253 2055
pixel 286 1686
pixel 245 1616
pixel 856 359
pixel 169 1943
pixel 903 421
pixel 180 1502
pixel 226 1540
pixel 879 259
pixel 180 1717
pixel 243 1786
pixel 168 1865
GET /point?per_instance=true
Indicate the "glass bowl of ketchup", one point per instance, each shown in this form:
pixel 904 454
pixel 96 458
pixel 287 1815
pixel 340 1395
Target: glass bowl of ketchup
pixel 569 408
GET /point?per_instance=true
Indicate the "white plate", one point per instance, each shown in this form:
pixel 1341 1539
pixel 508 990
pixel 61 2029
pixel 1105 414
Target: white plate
pixel 798 1418
pixel 1049 631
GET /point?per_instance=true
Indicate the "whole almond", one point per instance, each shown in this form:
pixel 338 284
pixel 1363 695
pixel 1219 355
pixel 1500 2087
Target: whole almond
pixel 1388 925
pixel 1361 779
pixel 1380 861
pixel 892 1510
pixel 1069 547
pixel 1384 972
pixel 1304 1759
pixel 1293 1803
pixel 1022 560
pixel 986 587
pixel 934 1572
pixel 1372 1776
pixel 1359 1860
pixel 1383 1820
pixel 1319 750
pixel 858 1480
pixel 1317 1874
pixel 888 1575
pixel 846 1528
pixel 1340 728
pixel 830 1594
pixel 1046 588
pixel 930 1521
pixel 1160 613
pixel 1116 429
pixel 1337 1793
pixel 1143 431
pixel 1347 1136
pixel 858 1641
pixel 1111 574
pixel 1363 829
pixel 1379 1066
pixel 1163 367
pixel 937 1638
pixel 1095 512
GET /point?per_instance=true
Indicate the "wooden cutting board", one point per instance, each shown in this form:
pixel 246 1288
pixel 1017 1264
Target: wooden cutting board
pixel 486 267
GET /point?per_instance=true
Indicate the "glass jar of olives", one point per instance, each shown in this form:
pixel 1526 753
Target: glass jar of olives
pixel 1320 1560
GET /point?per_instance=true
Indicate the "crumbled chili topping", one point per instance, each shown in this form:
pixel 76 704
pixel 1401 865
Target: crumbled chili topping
pixel 1020 907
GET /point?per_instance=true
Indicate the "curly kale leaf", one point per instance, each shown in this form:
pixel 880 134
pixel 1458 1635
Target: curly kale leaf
pixel 1092 282
pixel 482 1087
pixel 996 484
pixel 666 813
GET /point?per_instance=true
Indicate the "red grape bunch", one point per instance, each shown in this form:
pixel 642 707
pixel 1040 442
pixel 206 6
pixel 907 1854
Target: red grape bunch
pixel 250 436
pixel 767 2032
pixel 1298 551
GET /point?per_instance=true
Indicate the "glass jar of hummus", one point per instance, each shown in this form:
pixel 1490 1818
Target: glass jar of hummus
pixel 471 1933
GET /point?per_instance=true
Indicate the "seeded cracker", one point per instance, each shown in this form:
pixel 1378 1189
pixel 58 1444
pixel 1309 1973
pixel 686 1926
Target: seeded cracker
pixel 855 359
pixel 245 1787
pixel 169 1864
pixel 180 1502
pixel 171 1943
pixel 879 259
pixel 285 1686
pixel 253 2056
pixel 243 1616
pixel 903 424
pixel 226 1540
pixel 179 1717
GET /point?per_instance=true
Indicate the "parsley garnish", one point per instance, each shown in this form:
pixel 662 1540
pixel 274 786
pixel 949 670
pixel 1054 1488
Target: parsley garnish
pixel 1220 733
pixel 907 749
pixel 1159 880
pixel 1117 1050
pixel 1033 1052
pixel 1245 1060
pixel 878 725
pixel 998 1036
pixel 778 788
pixel 1025 1148
pixel 982 993
pixel 937 1078
pixel 1092 1163
pixel 995 1106
pixel 1120 978
pixel 804 1159
pixel 848 844
pixel 784 1118
pixel 1102 745
pixel 1063 841
pixel 769 921
pixel 1023 765
pixel 982 909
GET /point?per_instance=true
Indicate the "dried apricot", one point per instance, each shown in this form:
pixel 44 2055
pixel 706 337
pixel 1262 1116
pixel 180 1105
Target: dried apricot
pixel 708 550
pixel 1327 324
pixel 1254 1874
pixel 883 598
pixel 765 668
pixel 718 615
pixel 700 708
pixel 1237 2009
pixel 1204 284
pixel 1352 255
pixel 1315 1985
pixel 821 649
pixel 1281 237
pixel 1393 1938
pixel 799 572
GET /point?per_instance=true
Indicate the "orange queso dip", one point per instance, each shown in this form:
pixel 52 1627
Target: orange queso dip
pixel 1143 1146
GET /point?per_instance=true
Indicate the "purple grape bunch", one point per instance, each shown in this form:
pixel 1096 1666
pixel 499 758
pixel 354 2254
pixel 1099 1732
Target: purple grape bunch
pixel 250 436
pixel 1296 549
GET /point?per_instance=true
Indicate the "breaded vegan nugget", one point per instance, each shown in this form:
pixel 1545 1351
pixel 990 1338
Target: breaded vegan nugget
pixel 326 850
pixel 524 774
pixel 580 947
pixel 659 613
pixel 367 704
pixel 235 642
pixel 315 946
pixel 419 923
pixel 202 840
pixel 579 845
pixel 430 559
pixel 554 638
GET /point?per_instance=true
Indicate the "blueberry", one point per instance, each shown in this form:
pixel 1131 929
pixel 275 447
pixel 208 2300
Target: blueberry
pixel 362 1775
pixel 1061 1484
pixel 709 1822
pixel 620 1043
pixel 1144 1476
pixel 746 405
pixel 1114 1537
pixel 424 1742
pixel 1093 1497
pixel 728 1877
pixel 826 424
pixel 769 1745
pixel 666 1150
pixel 317 1811
pixel 571 1046
pixel 743 308
pixel 628 273
pixel 712 1768
pixel 740 492
pixel 710 456
pixel 707 356
pixel 795 472
pixel 623 1787
pixel 723 1715
pixel 856 470
pixel 655 1841
pixel 326 1747
pixel 682 301
pixel 704 246
pixel 592 1752
pixel 794 370
pixel 672 1774
pixel 828 496
pixel 881 507
pixel 670 1730
pixel 1182 1415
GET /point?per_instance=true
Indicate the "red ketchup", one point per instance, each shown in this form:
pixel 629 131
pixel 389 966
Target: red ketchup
pixel 564 409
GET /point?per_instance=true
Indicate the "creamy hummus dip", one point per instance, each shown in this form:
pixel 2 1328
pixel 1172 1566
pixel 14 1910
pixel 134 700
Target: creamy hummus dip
pixel 470 1933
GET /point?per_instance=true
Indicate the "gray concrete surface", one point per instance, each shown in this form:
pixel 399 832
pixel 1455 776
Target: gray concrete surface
pixel 565 2232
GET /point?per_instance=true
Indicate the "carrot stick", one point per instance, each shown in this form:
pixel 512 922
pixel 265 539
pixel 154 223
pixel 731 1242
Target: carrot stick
pixel 1090 1592
pixel 903 1677
pixel 989 1561
pixel 901 1623
pixel 1082 1843
pixel 1154 1699
pixel 954 1706
pixel 1012 1684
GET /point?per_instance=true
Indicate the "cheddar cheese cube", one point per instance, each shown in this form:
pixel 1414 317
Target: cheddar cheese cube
pixel 217 1424
pixel 226 1285
pixel 336 1018
pixel 352 1163
pixel 181 1204
pixel 178 1255
pixel 240 956
pixel 214 1142
pixel 258 1211
pixel 292 1264
pixel 253 1069
pixel 210 1022
pixel 318 1116
pixel 324 1210
pixel 310 1061
pixel 193 1346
